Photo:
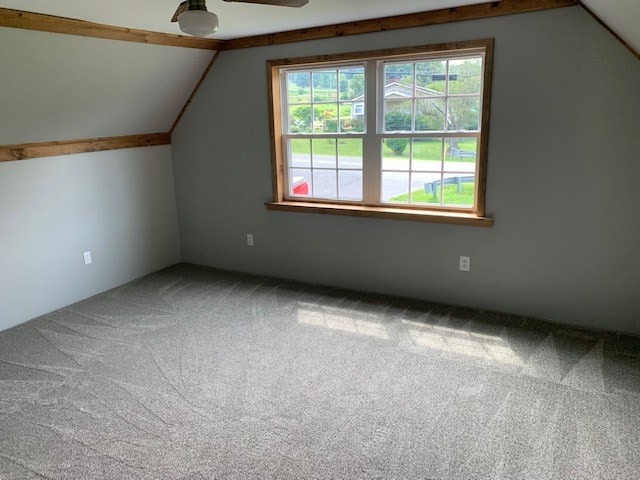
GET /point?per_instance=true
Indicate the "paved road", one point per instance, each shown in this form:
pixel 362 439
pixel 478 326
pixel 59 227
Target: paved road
pixel 350 182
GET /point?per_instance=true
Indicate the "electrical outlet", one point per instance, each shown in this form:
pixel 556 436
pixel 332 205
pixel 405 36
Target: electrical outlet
pixel 249 239
pixel 465 264
pixel 87 258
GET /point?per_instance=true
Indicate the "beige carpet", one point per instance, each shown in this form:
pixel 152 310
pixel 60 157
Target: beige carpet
pixel 193 373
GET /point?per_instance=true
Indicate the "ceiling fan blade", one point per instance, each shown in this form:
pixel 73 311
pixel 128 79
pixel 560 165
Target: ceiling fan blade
pixel 183 7
pixel 278 3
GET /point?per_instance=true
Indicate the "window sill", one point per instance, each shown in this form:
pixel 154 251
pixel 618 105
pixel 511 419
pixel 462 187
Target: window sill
pixel 394 213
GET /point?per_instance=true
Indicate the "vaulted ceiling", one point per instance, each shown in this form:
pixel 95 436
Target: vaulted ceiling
pixel 236 19
pixel 59 87
pixel 241 19
pixel 622 16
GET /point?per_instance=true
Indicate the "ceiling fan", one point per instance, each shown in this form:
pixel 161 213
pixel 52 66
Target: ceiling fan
pixel 194 19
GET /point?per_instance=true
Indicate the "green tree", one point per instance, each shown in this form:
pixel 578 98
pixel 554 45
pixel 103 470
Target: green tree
pixel 397 145
pixel 397 121
pixel 356 86
pixel 301 79
pixel 343 82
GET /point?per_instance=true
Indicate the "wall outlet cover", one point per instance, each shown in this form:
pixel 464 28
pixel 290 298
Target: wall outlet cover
pixel 465 264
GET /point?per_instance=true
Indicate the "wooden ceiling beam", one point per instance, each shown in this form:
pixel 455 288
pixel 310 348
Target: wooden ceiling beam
pixel 434 17
pixel 50 23
pixel 25 151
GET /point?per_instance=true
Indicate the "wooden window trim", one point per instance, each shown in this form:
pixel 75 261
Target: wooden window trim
pixel 393 213
pixel 440 215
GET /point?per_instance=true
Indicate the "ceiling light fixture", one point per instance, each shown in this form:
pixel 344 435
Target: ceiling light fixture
pixel 196 20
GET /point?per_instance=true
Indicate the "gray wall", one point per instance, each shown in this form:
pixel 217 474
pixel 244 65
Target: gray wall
pixel 65 87
pixel 563 181
pixel 119 204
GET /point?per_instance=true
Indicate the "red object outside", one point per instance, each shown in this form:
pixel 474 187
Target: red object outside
pixel 300 186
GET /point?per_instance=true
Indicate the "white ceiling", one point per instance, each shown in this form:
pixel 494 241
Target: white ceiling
pixel 236 19
pixel 58 87
pixel 622 16
pixel 241 19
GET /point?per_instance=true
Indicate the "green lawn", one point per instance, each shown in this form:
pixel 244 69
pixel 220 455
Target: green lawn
pixel 432 150
pixel 422 150
pixel 327 146
pixel 451 195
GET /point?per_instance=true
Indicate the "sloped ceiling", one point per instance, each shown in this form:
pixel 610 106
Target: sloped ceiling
pixel 622 16
pixel 63 87
pixel 236 19
pixel 240 20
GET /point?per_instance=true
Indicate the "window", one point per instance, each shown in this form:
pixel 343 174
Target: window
pixel 402 133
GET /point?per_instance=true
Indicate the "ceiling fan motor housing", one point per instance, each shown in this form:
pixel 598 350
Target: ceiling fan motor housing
pixel 197 5
pixel 197 21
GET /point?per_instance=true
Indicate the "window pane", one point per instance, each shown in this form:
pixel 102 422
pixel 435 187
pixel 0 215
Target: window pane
pixel 424 98
pixel 299 87
pixel 395 187
pixel 431 78
pixel 398 80
pixel 433 190
pixel 397 116
pixel 324 184
pixel 395 154
pixel 425 188
pixel 461 155
pixel 427 154
pixel 324 152
pixel 459 190
pixel 300 119
pixel 300 182
pixel 465 76
pixel 350 153
pixel 325 86
pixel 352 83
pixel 352 117
pixel 464 113
pixel 347 123
pixel 300 152
pixel 350 184
pixel 325 118
pixel 430 114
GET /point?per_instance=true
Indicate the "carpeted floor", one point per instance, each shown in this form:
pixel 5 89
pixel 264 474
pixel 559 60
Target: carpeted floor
pixel 193 373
